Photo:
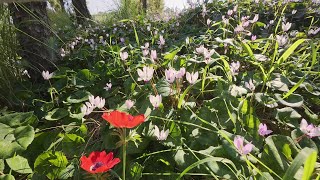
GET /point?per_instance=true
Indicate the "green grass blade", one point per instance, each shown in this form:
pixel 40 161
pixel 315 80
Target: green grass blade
pixel 309 166
pixel 300 159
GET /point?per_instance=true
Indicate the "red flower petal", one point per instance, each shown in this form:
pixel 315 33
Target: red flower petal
pixel 98 162
pixel 123 120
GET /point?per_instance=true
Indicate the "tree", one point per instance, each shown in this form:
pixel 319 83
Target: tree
pixel 31 20
pixel 81 10
pixel 144 5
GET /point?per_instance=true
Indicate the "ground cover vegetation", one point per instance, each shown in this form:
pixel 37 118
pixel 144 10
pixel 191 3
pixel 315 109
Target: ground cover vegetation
pixel 223 90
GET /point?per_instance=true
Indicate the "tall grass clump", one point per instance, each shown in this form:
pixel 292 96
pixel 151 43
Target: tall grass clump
pixel 9 61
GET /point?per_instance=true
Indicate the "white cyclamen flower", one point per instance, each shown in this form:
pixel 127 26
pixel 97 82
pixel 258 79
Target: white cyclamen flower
pixel 286 26
pixel 129 104
pixel 192 77
pixel 145 74
pixel 180 73
pixel 108 86
pixel 170 75
pixel 124 56
pixel 155 100
pixel 46 75
pixel 161 135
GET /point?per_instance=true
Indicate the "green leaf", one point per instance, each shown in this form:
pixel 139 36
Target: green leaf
pixel 287 114
pixel 266 100
pixel 294 100
pixel 136 171
pixel 289 51
pixel 300 159
pixel 2 165
pixel 78 96
pixel 170 56
pixel 50 164
pixel 19 164
pixel 14 140
pixel 163 88
pixel 7 177
pixel 309 166
pixel 56 114
pixel 18 119
pixel 295 87
pixel 202 161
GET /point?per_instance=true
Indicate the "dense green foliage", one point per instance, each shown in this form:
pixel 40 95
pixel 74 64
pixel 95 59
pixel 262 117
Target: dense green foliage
pixel 263 72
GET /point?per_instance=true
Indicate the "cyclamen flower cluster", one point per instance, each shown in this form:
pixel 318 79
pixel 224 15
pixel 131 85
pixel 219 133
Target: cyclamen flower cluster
pixel 309 129
pixel 93 103
pixel 206 53
pixel 171 74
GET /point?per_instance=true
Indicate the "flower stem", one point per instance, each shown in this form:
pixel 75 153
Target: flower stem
pixel 124 152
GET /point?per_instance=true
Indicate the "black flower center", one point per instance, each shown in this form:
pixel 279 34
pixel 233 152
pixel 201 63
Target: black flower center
pixel 96 165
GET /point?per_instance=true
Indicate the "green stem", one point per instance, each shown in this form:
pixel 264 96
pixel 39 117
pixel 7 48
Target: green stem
pixel 124 152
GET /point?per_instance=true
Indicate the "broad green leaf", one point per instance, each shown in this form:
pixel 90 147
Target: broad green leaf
pixel 2 165
pixel 164 89
pixel 266 100
pixel 13 140
pixel 18 119
pixel 51 164
pixel 294 100
pixel 7 177
pixel 56 114
pixel 179 157
pixel 202 161
pixel 78 96
pixel 19 164
pixel 287 114
pixel 295 87
pixel 298 161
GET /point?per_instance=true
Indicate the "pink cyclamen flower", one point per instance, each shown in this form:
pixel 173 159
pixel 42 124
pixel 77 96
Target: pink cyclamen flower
pixel 208 22
pixel 97 101
pixel 124 56
pixel 253 37
pixel 200 49
pixel 180 73
pixel 170 75
pixel 234 68
pixel 87 108
pixel 241 148
pixel 153 55
pixel 46 75
pixel 309 129
pixel 129 104
pixel 250 85
pixel 145 49
pixel 161 135
pixel 192 77
pixel 230 12
pixel 263 130
pixel 155 100
pixel 286 26
pixel 145 74
pixel 255 19
pixel 161 41
pixel 207 55
pixel 282 39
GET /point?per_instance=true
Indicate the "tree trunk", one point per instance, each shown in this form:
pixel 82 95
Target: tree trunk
pixel 144 6
pixel 31 20
pixel 81 9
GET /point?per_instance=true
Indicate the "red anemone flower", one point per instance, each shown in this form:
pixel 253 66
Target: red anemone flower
pixel 98 162
pixel 123 120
